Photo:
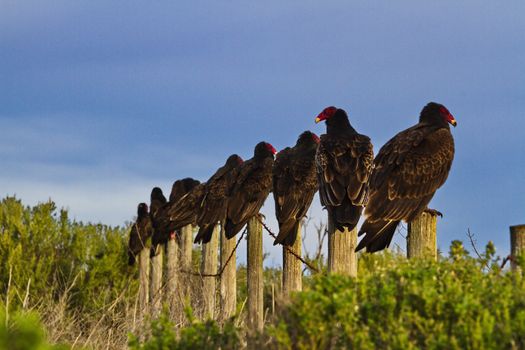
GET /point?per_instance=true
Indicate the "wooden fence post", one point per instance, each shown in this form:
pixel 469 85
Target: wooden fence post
pixel 185 259
pixel 156 282
pixel 421 238
pixel 517 243
pixel 228 277
pixel 209 266
pixel 342 258
pixel 292 267
pixel 173 280
pixel 144 281
pixel 255 275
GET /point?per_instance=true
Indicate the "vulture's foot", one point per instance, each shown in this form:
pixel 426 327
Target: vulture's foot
pixel 433 212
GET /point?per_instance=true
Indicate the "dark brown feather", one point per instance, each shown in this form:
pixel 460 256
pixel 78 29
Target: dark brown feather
pixel 344 164
pixel 217 193
pixel 140 232
pixel 408 170
pixel 157 200
pixel 185 211
pixel 163 227
pixel 157 203
pixel 181 187
pixel 253 185
pixel 294 186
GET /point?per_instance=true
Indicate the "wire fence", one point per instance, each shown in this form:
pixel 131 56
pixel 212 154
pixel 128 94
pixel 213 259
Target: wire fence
pixel 288 249
pixel 271 233
pixel 218 274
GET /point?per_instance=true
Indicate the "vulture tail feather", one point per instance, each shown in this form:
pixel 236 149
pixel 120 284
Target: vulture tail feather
pixel 287 233
pixel 378 235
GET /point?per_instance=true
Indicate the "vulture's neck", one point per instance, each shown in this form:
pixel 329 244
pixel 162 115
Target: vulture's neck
pixel 339 124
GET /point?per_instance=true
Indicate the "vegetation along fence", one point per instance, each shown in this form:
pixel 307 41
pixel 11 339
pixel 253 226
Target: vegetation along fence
pixel 165 278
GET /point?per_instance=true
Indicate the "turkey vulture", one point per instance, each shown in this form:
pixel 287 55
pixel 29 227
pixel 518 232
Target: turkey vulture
pixel 181 187
pixel 215 202
pixel 251 188
pixel 140 232
pixel 294 185
pixel 185 211
pixel 344 165
pixel 408 170
pixel 157 200
pixel 157 203
pixel 161 219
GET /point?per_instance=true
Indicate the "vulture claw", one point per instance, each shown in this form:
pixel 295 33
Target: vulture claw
pixel 433 212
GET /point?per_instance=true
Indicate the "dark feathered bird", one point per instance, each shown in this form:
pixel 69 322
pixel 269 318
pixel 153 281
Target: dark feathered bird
pixel 139 234
pixel 408 170
pixel 157 205
pixel 157 200
pixel 163 226
pixel 185 211
pixel 181 187
pixel 251 189
pixel 217 193
pixel 294 185
pixel 344 165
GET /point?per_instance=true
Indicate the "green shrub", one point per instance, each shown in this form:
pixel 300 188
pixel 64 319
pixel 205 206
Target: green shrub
pixel 407 304
pixel 24 332
pixel 41 247
pixel 197 335
pixel 74 274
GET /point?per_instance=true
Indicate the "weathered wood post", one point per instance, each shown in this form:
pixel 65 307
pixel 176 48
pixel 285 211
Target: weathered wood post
pixel 228 278
pixel 342 258
pixel 186 246
pixel 156 282
pixel 173 279
pixel 517 243
pixel 208 267
pixel 144 281
pixel 185 259
pixel 255 275
pixel 421 238
pixel 292 267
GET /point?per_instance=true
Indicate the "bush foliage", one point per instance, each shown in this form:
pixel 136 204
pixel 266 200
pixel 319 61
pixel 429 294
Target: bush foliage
pixel 405 304
pixel 459 302
pixel 45 251
pixel 75 277
pixel 197 335
pixel 25 332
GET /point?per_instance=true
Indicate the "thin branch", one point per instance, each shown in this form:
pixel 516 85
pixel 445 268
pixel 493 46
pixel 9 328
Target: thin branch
pixel 507 259
pixel 473 244
pixel 7 296
pixel 26 298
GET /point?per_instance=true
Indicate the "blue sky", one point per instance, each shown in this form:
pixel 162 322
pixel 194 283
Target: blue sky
pixel 101 101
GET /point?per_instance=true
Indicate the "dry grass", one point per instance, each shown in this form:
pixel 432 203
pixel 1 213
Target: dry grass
pixel 105 328
pixel 109 326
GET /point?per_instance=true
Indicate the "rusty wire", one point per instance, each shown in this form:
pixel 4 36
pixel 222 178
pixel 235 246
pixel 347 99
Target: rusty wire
pixel 297 256
pixel 218 274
